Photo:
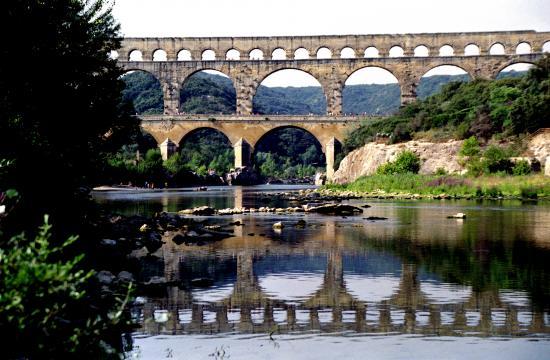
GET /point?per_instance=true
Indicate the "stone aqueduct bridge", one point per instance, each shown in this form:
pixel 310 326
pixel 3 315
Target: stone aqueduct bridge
pixel 262 56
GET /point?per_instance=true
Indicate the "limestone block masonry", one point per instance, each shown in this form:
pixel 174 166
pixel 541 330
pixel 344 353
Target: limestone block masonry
pixel 173 60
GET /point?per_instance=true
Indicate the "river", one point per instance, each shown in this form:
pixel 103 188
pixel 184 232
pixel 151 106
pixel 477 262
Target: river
pixel 414 286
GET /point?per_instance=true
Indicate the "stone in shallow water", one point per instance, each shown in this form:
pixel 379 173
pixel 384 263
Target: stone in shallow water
pixel 457 216
pixel 335 209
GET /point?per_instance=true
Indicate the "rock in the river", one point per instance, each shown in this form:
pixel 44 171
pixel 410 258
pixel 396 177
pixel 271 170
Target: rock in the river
pixel 108 243
pixel 335 209
pixel 457 216
pixel 125 276
pixel 105 277
pixel 278 225
pixel 201 210
pixel 300 224
pixel 373 218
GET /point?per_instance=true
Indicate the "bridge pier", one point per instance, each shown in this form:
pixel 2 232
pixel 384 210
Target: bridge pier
pixel 332 148
pixel 243 153
pixel 171 95
pixel 168 148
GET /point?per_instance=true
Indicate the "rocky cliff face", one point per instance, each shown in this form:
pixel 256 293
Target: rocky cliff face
pixel 365 160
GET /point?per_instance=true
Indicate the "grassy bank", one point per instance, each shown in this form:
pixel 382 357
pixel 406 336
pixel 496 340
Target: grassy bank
pixel 444 186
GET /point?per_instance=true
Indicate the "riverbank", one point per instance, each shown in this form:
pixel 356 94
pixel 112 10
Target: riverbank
pixel 416 186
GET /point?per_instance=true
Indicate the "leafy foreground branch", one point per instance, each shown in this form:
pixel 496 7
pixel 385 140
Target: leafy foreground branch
pixel 45 304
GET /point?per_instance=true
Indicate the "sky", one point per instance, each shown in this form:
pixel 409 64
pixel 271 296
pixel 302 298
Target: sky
pixel 173 18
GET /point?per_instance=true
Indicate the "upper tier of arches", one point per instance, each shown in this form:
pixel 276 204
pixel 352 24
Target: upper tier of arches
pixel 333 47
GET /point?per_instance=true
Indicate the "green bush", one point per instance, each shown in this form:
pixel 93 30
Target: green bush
pixel 440 171
pixel 529 193
pixel 43 306
pixel 470 147
pixel 406 162
pixel 522 167
pixel 493 192
pixel 497 160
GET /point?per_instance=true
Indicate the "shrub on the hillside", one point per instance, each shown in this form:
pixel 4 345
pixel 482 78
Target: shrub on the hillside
pixel 497 160
pixel 522 167
pixel 470 147
pixel 406 162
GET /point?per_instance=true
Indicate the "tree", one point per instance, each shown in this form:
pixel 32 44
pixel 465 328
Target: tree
pixel 60 113
pixel 60 103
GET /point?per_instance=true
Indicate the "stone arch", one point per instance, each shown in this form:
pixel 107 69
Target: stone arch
pixel 217 71
pixel 208 55
pixel 511 64
pixel 153 88
pixel 523 48
pixel 311 75
pixel 446 50
pixel 396 51
pixel 497 49
pixel 371 52
pixel 421 51
pixel 347 53
pixel 184 55
pixel 135 55
pixel 301 53
pixel 546 47
pixel 278 54
pixel 440 70
pixel 160 55
pixel 358 86
pixel 188 132
pixel 472 50
pixel 255 141
pixel 256 54
pixel 216 151
pixel 450 64
pixel 232 54
pixel 324 53
pixel 325 141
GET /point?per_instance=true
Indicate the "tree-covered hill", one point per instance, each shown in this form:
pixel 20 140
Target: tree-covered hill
pixel 482 108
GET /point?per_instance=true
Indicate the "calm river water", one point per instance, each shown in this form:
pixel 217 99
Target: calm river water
pixel 414 286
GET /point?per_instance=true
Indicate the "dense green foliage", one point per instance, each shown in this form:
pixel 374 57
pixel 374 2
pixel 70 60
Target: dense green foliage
pixel 289 153
pixel 143 90
pixel 40 296
pixel 61 104
pixel 480 108
pixel 406 162
pixel 491 160
pixel 60 112
pixel 202 151
pixel 484 186
pixel 209 149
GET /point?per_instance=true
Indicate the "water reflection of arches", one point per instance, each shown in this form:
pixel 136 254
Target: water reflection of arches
pixel 249 307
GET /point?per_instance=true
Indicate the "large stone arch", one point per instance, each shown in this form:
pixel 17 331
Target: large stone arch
pixel 184 78
pixel 509 63
pixel 187 132
pixel 329 137
pixel 371 65
pixel 462 65
pixel 155 75
pixel 312 71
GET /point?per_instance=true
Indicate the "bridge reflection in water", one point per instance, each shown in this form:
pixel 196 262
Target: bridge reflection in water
pixel 338 289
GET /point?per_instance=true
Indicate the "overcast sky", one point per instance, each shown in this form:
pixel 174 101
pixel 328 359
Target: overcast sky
pixel 318 17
